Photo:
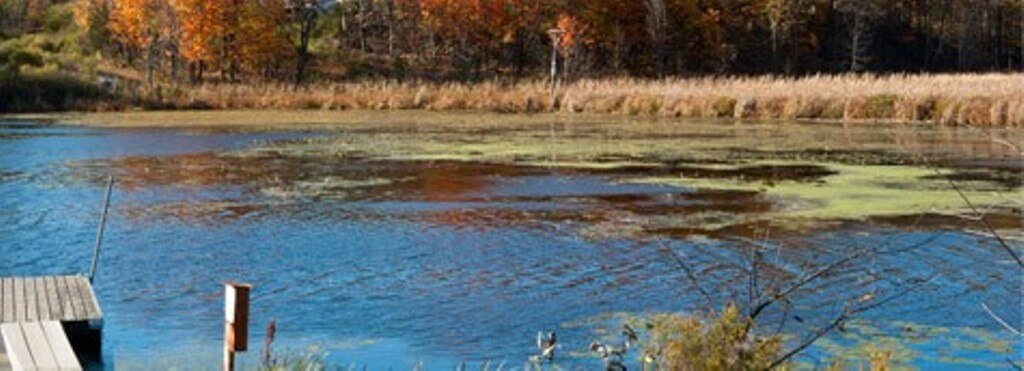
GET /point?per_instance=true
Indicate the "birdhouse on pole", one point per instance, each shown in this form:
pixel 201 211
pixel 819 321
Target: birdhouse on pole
pixel 236 321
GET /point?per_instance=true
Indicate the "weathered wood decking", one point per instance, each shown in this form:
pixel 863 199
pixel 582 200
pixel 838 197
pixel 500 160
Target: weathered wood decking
pixel 51 298
pixel 38 346
pixel 33 309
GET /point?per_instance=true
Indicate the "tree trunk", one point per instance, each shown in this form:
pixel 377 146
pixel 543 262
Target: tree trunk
pixel 151 59
pixel 307 18
pixel 391 30
pixel 361 17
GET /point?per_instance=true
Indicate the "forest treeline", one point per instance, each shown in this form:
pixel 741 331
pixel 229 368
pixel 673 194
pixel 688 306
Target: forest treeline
pixel 468 40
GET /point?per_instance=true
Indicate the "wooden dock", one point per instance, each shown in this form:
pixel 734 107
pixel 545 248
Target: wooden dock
pixel 52 298
pixel 31 303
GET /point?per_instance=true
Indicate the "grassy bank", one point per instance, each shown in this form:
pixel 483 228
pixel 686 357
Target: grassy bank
pixel 990 99
pixel 962 99
pixel 49 71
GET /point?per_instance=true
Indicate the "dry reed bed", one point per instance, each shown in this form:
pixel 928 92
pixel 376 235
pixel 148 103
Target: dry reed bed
pixel 968 99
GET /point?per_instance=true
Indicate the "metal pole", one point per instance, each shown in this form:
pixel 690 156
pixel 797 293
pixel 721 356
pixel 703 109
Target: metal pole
pixel 554 65
pixel 556 37
pixel 101 228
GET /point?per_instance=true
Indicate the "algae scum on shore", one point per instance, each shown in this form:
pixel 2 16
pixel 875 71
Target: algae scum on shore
pixel 414 227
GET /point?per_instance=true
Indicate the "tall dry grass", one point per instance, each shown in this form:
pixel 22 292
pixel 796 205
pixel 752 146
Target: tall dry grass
pixel 967 99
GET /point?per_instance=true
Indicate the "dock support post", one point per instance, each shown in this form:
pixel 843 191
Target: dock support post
pixel 236 321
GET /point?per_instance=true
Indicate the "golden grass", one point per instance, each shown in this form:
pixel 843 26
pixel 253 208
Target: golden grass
pixel 965 99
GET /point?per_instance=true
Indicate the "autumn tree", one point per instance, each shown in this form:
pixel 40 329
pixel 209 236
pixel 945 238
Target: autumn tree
pixel 860 17
pixel 35 12
pixel 472 39
pixel 20 16
pixel 303 14
pixel 141 25
pixel 93 16
pixel 262 43
pixel 201 24
pixel 572 40
pixel 657 28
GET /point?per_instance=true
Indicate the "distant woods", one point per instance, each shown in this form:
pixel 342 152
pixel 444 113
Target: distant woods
pixel 466 40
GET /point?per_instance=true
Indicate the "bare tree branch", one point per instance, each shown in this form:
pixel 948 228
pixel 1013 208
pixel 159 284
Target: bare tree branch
pixel 848 312
pixel 981 219
pixel 681 261
pixel 857 253
pixel 1001 321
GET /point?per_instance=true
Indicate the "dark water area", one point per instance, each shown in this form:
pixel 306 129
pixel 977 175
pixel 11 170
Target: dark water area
pixel 389 262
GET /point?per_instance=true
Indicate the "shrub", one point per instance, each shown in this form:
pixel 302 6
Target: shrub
pixel 57 18
pixel 45 90
pixel 24 57
pixel 745 109
pixel 881 106
pixel 928 109
pixel 976 112
pixel 717 342
pixel 724 106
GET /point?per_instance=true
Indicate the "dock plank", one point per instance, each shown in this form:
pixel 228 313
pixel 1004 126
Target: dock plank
pixel 16 347
pixel 88 297
pixel 68 297
pixel 19 300
pixel 7 309
pixel 31 306
pixel 54 297
pixel 60 346
pixel 43 298
pixel 66 308
pixel 76 297
pixel 39 346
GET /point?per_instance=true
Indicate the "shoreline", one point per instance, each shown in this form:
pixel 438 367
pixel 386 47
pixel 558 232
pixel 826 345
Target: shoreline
pixel 978 100
pixel 311 119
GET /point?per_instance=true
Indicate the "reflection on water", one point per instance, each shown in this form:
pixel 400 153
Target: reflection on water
pixel 406 250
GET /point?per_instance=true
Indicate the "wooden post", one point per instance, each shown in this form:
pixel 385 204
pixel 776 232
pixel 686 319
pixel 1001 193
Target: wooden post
pixel 236 321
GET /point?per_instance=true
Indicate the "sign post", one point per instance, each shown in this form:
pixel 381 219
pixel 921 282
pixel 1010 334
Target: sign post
pixel 236 321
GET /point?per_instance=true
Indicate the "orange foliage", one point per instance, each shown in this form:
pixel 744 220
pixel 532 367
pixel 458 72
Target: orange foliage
pixel 480 21
pixel 202 23
pixel 260 42
pixel 129 21
pixel 572 31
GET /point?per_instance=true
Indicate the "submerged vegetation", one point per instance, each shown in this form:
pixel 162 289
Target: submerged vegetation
pixel 807 172
pixel 857 191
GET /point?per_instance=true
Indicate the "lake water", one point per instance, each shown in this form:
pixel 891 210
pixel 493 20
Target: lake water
pixel 381 246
